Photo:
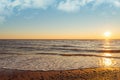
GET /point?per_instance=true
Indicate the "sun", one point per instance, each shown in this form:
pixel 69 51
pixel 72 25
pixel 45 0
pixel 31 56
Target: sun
pixel 107 34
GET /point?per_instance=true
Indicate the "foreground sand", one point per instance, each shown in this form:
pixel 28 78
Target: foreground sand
pixel 81 74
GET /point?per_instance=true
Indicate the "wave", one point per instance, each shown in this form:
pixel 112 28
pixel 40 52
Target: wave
pixel 67 55
pixel 63 46
pixel 88 50
pixel 97 51
pixel 67 49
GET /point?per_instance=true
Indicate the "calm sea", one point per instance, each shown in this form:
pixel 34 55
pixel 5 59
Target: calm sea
pixel 59 46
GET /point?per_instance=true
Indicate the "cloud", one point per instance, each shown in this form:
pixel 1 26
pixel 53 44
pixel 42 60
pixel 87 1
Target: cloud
pixel 24 4
pixel 117 3
pixel 75 5
pixel 114 3
pixel 72 5
pixel 7 7
pixel 69 5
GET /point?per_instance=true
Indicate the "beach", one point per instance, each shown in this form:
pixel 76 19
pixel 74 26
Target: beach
pixel 58 67
pixel 77 74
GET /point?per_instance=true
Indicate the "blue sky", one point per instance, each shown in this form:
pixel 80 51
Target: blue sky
pixel 59 18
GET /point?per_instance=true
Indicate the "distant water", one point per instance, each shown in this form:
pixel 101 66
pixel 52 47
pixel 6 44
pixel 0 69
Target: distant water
pixel 59 54
pixel 59 46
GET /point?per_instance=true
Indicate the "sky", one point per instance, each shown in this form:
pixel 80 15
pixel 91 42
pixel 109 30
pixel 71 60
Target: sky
pixel 59 19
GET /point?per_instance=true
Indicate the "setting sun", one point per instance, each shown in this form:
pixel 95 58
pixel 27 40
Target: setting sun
pixel 107 34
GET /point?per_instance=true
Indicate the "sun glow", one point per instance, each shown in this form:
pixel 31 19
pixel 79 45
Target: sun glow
pixel 107 34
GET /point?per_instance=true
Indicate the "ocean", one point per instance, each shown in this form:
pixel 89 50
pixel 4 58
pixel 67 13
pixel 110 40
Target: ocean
pixel 59 54
pixel 59 46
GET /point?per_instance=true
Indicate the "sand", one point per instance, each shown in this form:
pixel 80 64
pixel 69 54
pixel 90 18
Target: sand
pixel 78 74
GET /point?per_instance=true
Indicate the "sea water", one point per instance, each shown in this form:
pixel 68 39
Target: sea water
pixel 59 54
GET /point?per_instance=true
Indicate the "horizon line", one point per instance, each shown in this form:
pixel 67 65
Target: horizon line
pixel 57 39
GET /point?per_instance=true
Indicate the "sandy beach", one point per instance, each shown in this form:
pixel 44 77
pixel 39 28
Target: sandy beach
pixel 78 74
pixel 59 67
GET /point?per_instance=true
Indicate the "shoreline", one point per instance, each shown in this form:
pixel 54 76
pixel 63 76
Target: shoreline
pixel 76 74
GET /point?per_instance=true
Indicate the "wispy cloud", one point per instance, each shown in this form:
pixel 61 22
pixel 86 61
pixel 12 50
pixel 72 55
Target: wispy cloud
pixel 72 5
pixel 7 6
pixel 23 4
pixel 69 5
pixel 75 5
pixel 114 3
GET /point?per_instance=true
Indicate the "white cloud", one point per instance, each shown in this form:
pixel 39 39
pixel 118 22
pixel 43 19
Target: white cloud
pixel 7 6
pixel 23 4
pixel 69 5
pixel 72 5
pixel 117 3
pixel 75 5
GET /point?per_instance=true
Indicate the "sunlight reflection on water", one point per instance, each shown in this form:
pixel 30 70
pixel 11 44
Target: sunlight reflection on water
pixel 107 62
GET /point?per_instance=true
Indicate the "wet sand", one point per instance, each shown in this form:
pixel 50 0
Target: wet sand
pixel 78 74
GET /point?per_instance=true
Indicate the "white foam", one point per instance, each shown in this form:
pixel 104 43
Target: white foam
pixel 51 62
